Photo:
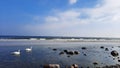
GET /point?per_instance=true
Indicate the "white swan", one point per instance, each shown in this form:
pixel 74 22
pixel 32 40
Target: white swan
pixel 16 52
pixel 28 49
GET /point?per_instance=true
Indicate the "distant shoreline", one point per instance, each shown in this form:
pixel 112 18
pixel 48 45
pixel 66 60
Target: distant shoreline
pixel 51 37
pixel 63 40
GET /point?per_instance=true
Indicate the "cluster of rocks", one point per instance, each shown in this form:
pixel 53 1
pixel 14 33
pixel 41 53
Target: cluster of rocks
pixel 76 66
pixel 112 66
pixel 69 52
pixel 106 49
pixel 58 66
pixel 114 54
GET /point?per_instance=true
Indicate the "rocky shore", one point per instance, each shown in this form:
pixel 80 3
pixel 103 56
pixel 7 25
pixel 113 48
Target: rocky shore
pixel 76 66
pixel 114 54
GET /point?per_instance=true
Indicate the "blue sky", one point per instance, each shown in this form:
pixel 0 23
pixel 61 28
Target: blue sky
pixel 84 18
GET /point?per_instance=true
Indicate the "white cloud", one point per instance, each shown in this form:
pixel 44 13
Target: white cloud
pixel 51 19
pixel 72 1
pixel 102 14
pixel 78 21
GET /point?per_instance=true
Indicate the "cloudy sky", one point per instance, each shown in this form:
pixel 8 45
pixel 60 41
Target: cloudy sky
pixel 83 18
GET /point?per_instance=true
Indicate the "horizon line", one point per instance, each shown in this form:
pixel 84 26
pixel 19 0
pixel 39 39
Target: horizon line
pixel 58 36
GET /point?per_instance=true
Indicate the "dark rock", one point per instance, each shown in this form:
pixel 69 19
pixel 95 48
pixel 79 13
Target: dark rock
pixel 118 60
pixel 70 52
pixel 118 57
pixel 51 66
pixel 76 52
pixel 114 53
pixel 112 66
pixel 95 63
pixel 54 49
pixel 84 54
pixel 84 48
pixel 106 49
pixel 74 66
pixel 102 47
pixel 61 53
pixel 65 51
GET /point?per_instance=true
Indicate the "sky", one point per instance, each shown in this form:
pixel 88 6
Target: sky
pixel 78 18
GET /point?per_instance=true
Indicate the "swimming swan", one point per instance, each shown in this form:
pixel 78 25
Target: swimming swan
pixel 16 52
pixel 28 49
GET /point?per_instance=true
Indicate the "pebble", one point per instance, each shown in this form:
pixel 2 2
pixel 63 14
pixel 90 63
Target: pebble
pixel 84 48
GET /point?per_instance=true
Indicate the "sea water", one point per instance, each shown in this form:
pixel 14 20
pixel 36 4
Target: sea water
pixel 43 53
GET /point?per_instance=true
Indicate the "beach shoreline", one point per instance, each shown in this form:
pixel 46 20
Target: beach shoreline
pixel 45 51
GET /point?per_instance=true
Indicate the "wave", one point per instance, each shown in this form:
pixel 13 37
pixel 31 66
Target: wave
pixel 52 38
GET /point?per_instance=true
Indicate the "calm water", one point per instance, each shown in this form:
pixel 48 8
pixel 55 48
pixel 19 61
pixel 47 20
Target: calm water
pixel 43 53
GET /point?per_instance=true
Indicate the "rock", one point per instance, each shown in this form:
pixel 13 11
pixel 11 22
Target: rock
pixel 113 58
pixel 65 51
pixel 112 66
pixel 71 67
pixel 84 48
pixel 76 52
pixel 84 54
pixel 118 57
pixel 118 60
pixel 102 47
pixel 51 66
pixel 106 49
pixel 70 52
pixel 74 66
pixel 54 49
pixel 114 53
pixel 95 63
pixel 61 53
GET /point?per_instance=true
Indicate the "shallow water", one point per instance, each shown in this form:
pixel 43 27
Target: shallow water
pixel 43 53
